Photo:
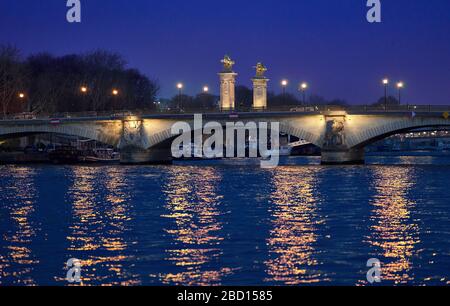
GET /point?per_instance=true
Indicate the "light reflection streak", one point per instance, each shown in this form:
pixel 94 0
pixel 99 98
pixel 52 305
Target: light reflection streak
pixel 296 219
pixel 19 195
pixel 394 232
pixel 101 217
pixel 193 206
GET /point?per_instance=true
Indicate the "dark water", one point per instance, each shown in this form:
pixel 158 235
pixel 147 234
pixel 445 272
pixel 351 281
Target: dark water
pixel 227 223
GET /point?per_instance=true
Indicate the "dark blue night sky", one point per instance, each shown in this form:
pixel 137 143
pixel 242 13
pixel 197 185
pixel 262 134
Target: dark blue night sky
pixel 327 43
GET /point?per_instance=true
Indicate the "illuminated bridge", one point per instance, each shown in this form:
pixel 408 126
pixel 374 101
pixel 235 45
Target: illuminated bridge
pixel 341 134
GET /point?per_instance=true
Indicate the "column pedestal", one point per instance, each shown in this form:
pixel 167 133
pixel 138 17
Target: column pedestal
pixel 227 90
pixel 260 93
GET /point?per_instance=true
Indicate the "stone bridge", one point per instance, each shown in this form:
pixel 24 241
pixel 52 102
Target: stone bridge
pixel 341 135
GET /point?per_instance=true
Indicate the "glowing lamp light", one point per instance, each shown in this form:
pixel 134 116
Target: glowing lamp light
pixel 385 81
pixel 115 92
pixel 21 95
pixel 304 86
pixel 180 86
pixel 400 85
pixel 205 89
pixel 83 89
pixel 284 83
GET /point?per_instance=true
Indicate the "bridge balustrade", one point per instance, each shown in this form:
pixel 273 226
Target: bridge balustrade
pixel 242 109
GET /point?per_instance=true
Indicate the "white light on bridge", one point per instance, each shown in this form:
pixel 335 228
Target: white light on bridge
pixel 304 86
pixel 400 85
pixel 386 82
pixel 205 89
pixel 180 86
pixel 284 83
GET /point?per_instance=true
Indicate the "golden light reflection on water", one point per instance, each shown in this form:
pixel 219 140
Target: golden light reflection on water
pixel 292 241
pixel 101 217
pixel 19 194
pixel 394 232
pixel 193 205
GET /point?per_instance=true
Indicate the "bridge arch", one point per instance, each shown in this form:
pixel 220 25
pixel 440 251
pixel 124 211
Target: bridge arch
pixel 373 133
pixel 293 128
pixel 84 131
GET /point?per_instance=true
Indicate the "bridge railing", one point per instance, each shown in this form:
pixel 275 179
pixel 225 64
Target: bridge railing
pixel 240 109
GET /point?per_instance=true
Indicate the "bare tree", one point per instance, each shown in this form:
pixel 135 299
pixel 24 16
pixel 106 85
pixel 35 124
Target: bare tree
pixel 103 68
pixel 11 77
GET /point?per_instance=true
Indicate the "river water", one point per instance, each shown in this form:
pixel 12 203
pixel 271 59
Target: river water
pixel 227 223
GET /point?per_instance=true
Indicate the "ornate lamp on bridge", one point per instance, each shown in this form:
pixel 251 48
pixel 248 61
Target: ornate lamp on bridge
pixel 180 95
pixel 385 84
pixel 284 84
pixel 303 88
pixel 227 84
pixel 400 86
pixel 260 87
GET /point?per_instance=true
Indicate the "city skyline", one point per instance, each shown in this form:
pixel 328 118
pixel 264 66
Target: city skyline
pixel 178 42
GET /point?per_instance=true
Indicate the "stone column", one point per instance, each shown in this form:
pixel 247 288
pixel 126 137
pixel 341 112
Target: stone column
pixel 260 93
pixel 227 90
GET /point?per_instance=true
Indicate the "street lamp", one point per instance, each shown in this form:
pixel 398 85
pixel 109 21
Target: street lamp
pixel 23 96
pixel 284 84
pixel 303 88
pixel 400 86
pixel 386 84
pixel 205 89
pixel 83 89
pixel 180 91
pixel 115 92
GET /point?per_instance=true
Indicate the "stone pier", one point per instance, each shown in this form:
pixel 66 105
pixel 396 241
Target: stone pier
pixel 134 145
pixel 344 157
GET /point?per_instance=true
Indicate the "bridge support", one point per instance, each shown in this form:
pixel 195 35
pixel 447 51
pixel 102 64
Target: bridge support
pixel 153 156
pixel 344 157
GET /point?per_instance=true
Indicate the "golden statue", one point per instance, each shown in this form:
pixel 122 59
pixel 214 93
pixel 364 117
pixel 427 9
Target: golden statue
pixel 260 70
pixel 227 64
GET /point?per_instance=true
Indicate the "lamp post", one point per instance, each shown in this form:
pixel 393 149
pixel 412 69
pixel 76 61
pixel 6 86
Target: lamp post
pixel 303 88
pixel 22 96
pixel 385 84
pixel 400 86
pixel 180 91
pixel 115 93
pixel 284 84
pixel 204 97
pixel 83 90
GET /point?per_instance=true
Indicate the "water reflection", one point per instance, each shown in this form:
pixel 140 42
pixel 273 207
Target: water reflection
pixel 296 219
pixel 101 212
pixel 394 232
pixel 193 206
pixel 18 200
